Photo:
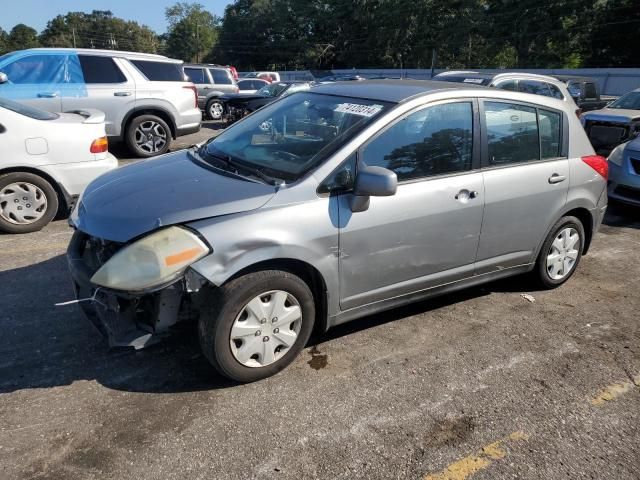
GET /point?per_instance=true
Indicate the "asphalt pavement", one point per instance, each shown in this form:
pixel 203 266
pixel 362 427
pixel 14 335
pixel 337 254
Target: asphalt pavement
pixel 496 382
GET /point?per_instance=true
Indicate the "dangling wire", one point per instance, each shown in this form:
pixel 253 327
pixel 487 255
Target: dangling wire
pixel 88 299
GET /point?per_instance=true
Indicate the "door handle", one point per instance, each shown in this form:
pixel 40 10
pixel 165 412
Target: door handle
pixel 555 178
pixel 465 195
pixel 48 95
pixel 122 94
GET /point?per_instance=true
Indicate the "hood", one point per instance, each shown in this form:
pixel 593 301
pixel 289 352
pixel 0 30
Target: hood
pixel 618 115
pixel 171 189
pixel 634 145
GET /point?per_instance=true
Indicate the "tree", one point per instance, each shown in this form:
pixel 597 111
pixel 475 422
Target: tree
pixel 4 42
pixel 192 31
pixel 21 37
pixel 98 29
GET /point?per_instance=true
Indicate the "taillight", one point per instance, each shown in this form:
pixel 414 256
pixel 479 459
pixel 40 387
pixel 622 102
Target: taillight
pixel 578 112
pixel 195 93
pixel 598 163
pixel 234 72
pixel 99 145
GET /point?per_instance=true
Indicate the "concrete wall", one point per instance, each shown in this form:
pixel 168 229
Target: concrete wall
pixel 613 81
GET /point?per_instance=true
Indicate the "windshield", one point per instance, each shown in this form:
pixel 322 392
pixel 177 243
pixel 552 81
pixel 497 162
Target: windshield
pixel 630 101
pixel 26 110
pixel 6 55
pixel 290 137
pixel 273 89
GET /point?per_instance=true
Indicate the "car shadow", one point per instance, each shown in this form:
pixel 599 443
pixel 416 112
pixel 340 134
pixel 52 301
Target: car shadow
pixel 45 346
pixel 622 215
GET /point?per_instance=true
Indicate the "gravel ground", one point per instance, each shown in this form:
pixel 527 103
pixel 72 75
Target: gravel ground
pixel 483 383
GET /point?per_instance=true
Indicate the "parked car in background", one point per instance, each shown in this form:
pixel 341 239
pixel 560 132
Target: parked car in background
pixel 513 81
pixel 251 85
pixel 239 105
pixel 341 78
pixel 212 83
pixel 617 123
pixel 361 197
pixel 585 92
pixel 624 173
pixel 268 76
pixel 145 98
pixel 47 160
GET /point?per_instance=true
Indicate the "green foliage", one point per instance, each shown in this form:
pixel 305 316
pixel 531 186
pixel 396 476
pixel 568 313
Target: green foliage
pixel 4 42
pixel 192 31
pixel 98 29
pixel 22 36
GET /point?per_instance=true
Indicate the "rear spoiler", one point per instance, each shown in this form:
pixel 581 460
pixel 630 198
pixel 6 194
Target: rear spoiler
pixel 90 115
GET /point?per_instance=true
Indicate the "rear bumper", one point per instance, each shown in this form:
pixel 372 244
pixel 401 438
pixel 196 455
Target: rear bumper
pixel 188 122
pixel 125 320
pixel 74 177
pixel 188 129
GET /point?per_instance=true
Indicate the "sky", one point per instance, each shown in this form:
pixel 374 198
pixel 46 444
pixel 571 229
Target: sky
pixel 36 13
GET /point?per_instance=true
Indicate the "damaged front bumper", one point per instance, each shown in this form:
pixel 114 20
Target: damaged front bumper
pixel 127 319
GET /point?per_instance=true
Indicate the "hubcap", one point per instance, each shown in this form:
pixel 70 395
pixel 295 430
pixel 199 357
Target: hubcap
pixel 22 203
pixel 215 110
pixel 563 253
pixel 150 136
pixel 266 328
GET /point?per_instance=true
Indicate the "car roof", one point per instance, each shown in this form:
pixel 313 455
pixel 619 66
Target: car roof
pixel 462 74
pixel 578 78
pixel 106 53
pixel 394 91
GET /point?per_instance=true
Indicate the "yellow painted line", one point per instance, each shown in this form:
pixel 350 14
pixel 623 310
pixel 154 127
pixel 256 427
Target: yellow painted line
pixel 614 391
pixel 480 460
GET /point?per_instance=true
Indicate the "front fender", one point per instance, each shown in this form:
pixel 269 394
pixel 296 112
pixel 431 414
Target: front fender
pixel 305 232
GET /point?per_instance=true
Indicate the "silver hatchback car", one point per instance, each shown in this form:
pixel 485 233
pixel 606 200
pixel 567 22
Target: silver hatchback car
pixel 330 204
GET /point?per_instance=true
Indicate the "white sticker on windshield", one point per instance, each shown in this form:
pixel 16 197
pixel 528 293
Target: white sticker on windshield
pixel 357 109
pixel 472 80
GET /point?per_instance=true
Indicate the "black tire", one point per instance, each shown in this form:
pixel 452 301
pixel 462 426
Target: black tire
pixel 211 115
pixel 48 212
pixel 159 131
pixel 221 308
pixel 541 271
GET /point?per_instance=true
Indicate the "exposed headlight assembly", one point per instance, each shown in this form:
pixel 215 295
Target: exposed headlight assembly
pixel 153 260
pixel 617 155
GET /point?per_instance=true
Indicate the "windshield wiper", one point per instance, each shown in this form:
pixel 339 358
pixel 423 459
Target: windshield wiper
pixel 235 166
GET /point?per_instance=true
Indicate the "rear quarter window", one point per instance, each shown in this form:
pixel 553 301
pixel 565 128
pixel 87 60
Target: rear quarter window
pixel 160 71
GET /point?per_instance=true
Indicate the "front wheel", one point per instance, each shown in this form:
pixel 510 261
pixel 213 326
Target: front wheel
pixel 215 109
pixel 27 202
pixel 257 324
pixel 560 253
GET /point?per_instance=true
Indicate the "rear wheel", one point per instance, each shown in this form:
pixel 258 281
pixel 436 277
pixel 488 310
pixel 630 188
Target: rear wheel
pixel 27 202
pixel 561 253
pixel 215 109
pixel 256 325
pixel 148 136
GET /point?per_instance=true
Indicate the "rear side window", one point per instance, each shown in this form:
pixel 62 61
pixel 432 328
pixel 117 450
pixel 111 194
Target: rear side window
pixel 160 71
pixel 221 77
pixel 434 141
pixel 518 133
pixel 550 134
pixel 534 87
pixel 100 70
pixel 590 90
pixel 196 75
pixel 511 85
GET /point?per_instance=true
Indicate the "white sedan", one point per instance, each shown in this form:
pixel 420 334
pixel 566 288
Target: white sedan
pixel 46 161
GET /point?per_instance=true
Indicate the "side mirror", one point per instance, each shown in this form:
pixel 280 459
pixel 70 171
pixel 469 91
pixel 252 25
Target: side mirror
pixel 372 182
pixel 3 77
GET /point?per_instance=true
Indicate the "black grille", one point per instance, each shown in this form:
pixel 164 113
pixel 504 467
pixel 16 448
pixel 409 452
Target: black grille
pixel 628 192
pixel 635 164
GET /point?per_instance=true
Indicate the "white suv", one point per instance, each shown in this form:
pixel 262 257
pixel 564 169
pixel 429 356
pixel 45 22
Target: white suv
pixel 146 98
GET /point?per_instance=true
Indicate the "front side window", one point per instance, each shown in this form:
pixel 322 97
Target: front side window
pixel 273 89
pixel 290 137
pixel 97 69
pixel 44 69
pixel 196 75
pixel 434 141
pixel 534 87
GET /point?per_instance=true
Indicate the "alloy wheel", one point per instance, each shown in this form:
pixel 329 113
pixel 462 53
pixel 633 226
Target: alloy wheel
pixel 150 136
